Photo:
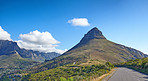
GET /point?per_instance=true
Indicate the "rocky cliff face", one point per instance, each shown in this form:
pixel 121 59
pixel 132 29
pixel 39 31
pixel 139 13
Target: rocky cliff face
pixel 93 34
pixel 37 56
pixel 8 47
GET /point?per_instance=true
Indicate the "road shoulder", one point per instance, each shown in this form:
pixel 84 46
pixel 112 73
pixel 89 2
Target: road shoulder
pixel 105 77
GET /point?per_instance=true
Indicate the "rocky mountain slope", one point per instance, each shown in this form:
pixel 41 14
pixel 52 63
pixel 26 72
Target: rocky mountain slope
pixel 96 46
pixel 93 47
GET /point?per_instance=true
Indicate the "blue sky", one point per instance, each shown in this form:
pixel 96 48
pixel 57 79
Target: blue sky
pixel 121 21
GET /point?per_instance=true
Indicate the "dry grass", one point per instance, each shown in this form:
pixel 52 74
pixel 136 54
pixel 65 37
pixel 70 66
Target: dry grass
pixel 103 76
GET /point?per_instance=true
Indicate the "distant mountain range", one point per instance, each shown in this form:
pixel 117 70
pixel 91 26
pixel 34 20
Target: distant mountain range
pixel 13 58
pixel 10 47
pixel 93 48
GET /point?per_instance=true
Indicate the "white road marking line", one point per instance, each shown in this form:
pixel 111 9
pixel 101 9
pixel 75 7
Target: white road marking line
pixel 138 79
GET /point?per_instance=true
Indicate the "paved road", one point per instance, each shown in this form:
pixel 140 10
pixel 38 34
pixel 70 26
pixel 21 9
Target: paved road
pixel 125 74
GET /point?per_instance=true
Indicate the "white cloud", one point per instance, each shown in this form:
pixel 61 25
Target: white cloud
pixel 4 35
pixel 39 41
pixel 79 22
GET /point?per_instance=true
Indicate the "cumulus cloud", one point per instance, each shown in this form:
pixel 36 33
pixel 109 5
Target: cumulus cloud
pixel 4 35
pixel 79 22
pixel 39 41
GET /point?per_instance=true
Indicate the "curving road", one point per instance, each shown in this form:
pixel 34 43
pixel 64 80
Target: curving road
pixel 125 74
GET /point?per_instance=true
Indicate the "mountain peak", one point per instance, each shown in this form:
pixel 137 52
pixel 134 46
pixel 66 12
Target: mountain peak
pixel 95 28
pixel 94 33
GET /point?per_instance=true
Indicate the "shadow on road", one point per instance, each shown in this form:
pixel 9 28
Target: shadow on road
pixel 144 77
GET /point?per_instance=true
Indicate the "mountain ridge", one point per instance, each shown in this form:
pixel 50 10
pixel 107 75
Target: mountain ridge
pixel 8 47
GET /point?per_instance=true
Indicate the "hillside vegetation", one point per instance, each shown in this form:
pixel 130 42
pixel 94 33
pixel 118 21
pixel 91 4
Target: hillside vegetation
pixel 10 64
pixel 71 73
pixel 14 61
pixel 140 65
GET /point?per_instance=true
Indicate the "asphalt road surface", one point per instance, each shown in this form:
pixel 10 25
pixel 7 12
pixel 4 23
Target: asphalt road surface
pixel 125 74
